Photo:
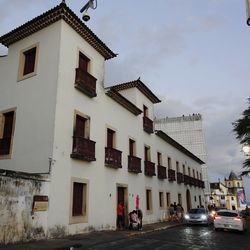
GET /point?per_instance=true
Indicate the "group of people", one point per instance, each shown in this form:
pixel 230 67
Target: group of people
pixel 175 212
pixel 134 218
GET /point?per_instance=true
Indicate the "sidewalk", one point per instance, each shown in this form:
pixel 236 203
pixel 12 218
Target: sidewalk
pixel 89 239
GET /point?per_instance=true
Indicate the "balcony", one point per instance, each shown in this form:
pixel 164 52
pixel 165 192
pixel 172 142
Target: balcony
pixel 113 158
pixel 149 168
pixel 191 181
pixel 5 146
pixel 148 125
pixel 186 179
pixel 85 82
pixel 201 184
pixel 179 178
pixel 134 164
pixel 162 172
pixel 171 175
pixel 83 149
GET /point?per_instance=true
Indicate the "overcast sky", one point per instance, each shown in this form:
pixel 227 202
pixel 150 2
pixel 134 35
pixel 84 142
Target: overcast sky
pixel 193 54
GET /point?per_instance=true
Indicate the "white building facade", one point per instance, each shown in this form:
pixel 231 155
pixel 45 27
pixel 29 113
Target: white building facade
pixel 97 145
pixel 188 131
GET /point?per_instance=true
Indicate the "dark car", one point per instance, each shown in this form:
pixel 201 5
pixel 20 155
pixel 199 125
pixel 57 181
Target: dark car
pixel 198 216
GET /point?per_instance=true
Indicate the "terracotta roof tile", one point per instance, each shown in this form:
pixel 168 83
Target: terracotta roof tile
pixel 61 11
pixel 141 86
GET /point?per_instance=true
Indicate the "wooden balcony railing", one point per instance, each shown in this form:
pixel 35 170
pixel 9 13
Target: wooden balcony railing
pixel 186 179
pixel 149 168
pixel 113 158
pixel 201 184
pixel 5 146
pixel 197 182
pixel 180 178
pixel 171 175
pixel 83 149
pixel 134 164
pixel 85 82
pixel 193 181
pixel 148 125
pixel 162 172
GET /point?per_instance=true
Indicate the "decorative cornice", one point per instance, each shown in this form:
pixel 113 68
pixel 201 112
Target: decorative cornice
pixel 123 101
pixel 141 86
pixel 61 11
pixel 178 146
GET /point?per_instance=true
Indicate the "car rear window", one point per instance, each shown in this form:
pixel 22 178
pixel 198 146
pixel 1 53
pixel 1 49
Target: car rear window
pixel 227 214
pixel 197 211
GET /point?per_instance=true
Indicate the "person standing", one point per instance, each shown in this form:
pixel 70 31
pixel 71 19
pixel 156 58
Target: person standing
pixel 120 215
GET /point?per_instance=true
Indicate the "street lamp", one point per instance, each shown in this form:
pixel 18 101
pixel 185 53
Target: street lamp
pixel 90 4
pixel 246 149
pixel 248 11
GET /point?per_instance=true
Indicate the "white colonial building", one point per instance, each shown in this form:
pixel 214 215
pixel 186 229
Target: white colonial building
pixel 85 147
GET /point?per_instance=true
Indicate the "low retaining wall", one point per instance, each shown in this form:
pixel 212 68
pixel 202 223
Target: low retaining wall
pixel 21 218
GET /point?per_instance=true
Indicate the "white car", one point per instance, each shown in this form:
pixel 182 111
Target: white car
pixel 229 219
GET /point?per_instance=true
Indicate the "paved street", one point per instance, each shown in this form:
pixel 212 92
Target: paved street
pixel 156 236
pixel 195 237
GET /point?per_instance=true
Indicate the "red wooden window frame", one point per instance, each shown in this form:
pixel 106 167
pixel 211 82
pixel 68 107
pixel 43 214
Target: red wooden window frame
pixel 148 197
pixel 77 208
pixel 110 138
pixel 80 126
pixel 159 159
pixel 8 124
pixel 7 133
pixel 83 62
pixel 146 153
pixel 29 61
pixel 161 199
pixel 168 199
pixel 131 147
pixel 145 111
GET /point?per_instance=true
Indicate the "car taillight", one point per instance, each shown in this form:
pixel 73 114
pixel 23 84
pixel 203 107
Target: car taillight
pixel 238 218
pixel 217 217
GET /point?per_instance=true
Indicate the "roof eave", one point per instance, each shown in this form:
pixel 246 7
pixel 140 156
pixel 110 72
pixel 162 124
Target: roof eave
pixel 178 146
pixel 61 11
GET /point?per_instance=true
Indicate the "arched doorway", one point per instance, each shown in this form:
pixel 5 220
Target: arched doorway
pixel 188 198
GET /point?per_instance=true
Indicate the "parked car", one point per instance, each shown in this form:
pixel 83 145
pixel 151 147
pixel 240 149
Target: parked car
pixel 198 216
pixel 214 210
pixel 230 220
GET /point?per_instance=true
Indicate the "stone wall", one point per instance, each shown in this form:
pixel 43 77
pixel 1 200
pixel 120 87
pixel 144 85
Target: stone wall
pixel 18 221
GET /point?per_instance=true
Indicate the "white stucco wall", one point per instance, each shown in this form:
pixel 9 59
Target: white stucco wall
pixel 34 99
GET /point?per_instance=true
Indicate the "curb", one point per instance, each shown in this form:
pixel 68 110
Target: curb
pixel 154 230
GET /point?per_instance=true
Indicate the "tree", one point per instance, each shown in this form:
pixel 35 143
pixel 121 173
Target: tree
pixel 241 128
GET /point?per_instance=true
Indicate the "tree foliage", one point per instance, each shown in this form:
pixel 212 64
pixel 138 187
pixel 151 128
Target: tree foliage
pixel 241 128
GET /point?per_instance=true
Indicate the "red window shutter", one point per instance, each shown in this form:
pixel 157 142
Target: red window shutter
pixel 145 111
pixel 29 61
pixel 77 209
pixel 8 124
pixel 80 126
pixel 148 199
pixel 110 135
pixel 159 158
pixel 131 147
pixel 146 154
pixel 83 62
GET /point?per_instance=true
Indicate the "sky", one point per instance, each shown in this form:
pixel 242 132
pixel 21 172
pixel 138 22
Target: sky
pixel 193 54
